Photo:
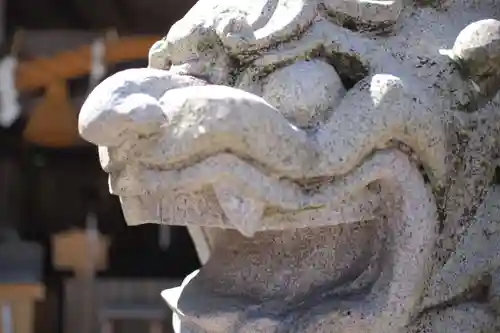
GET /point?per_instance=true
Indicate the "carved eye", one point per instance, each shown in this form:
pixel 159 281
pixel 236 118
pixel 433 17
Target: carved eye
pixel 289 90
pixel 364 15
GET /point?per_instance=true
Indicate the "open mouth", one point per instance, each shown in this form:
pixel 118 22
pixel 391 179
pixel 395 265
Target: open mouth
pixel 297 260
pixel 265 281
pixel 340 244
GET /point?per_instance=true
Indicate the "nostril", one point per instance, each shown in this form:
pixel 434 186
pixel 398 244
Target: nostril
pixel 109 124
pixel 235 33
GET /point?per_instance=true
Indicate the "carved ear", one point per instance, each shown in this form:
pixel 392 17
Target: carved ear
pixel 476 51
pixel 478 46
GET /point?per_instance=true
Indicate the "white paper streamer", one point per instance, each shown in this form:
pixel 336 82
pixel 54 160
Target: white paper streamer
pixel 7 321
pixel 98 67
pixel 10 109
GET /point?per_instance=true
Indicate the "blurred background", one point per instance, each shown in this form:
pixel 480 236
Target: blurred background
pixel 68 262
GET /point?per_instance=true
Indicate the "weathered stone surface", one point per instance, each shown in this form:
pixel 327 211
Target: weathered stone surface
pixel 332 161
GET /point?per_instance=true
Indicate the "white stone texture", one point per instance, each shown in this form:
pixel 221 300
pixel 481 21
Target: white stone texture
pixel 332 159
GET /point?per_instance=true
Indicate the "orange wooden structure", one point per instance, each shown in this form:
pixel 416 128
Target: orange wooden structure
pixel 53 122
pixel 74 251
pixel 21 298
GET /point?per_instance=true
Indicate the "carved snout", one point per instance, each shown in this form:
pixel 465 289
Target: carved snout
pixel 208 120
pixel 123 118
pixel 204 121
pixel 126 106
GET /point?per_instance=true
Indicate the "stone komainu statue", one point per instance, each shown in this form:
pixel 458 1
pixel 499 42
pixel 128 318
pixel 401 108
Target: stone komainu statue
pixel 332 159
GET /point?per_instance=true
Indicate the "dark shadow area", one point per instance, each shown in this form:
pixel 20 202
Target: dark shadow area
pixel 46 191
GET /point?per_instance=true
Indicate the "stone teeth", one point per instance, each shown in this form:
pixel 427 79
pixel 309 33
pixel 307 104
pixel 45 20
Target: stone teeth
pixel 243 212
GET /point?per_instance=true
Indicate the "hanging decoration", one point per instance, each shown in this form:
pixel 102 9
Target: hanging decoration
pixel 10 109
